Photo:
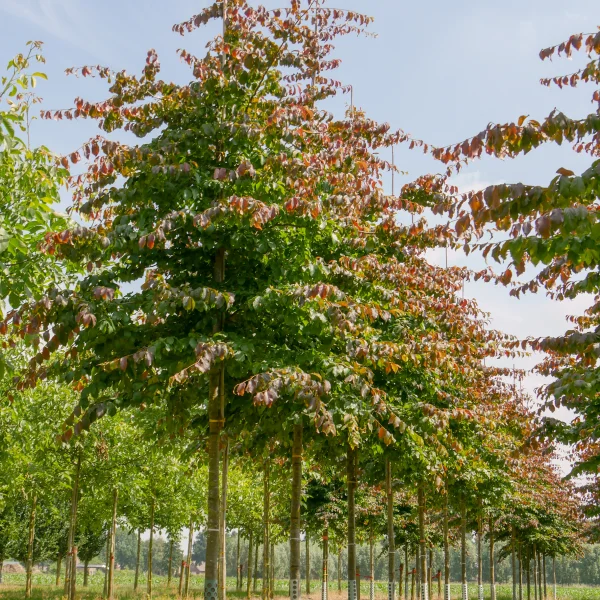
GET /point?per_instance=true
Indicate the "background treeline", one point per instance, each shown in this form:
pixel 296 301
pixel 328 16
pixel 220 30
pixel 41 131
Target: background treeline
pixel 584 570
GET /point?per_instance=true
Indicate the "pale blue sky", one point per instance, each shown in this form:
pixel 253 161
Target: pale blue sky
pixel 440 70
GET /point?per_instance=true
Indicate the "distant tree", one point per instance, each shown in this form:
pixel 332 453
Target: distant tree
pixel 199 548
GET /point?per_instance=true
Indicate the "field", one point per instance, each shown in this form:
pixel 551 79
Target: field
pixel 44 589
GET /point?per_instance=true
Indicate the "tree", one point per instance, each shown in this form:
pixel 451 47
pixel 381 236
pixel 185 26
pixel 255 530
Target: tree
pixel 30 179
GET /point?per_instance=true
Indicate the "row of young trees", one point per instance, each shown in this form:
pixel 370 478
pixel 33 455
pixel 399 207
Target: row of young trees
pixel 238 297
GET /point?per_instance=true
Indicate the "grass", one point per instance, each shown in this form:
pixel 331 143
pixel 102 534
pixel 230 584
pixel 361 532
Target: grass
pixel 44 589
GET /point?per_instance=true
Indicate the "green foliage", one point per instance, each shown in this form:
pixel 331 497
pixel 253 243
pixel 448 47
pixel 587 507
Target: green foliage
pixel 30 179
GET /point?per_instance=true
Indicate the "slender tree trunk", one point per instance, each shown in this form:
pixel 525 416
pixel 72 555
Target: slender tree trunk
pixel 446 550
pixel 418 567
pixel 479 556
pixel 182 573
pixel 70 567
pixel 371 567
pixel 430 572
pixel 539 572
pixel 107 563
pixel 1 569
pixel 170 568
pixel 136 579
pixel 554 576
pixel 272 578
pixel 266 539
pixel 351 468
pixel 492 562
pixel 188 562
pixel 111 556
pixel 463 550
pixel 249 566
pixel 422 549
pixel 528 568
pixel 212 535
pixel 86 573
pixel 30 547
pixel 325 574
pixel 150 544
pixel 255 582
pixel 339 570
pixel 238 583
pixel 544 576
pixel 73 585
pixel 406 570
pixel 520 572
pixel 412 584
pixel 390 532
pixel 295 590
pixel 307 546
pixel 58 566
pixel 400 579
pixel 513 563
pixel 535 578
pixel 223 526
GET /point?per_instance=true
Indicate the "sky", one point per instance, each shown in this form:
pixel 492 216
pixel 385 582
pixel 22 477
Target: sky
pixel 439 70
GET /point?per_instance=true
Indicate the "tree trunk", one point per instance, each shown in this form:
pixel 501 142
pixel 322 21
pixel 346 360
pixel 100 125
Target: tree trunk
pixel 73 584
pixel 249 566
pixel 544 576
pixel 170 568
pixel 463 550
pixel 430 572
pixel 238 573
pixel 400 579
pixel 325 574
pixel 412 584
pixel 492 562
pixel 295 590
pixel 539 572
pixel 106 564
pixel 58 566
pixel 422 549
pixel 188 562
pixel 339 570
pixel 212 538
pixel 30 547
pixel 1 569
pixel 86 573
pixel 446 550
pixel 255 582
pixel 307 546
pixel 223 526
pixel 111 555
pixel 406 570
pixel 70 567
pixel 418 567
pixel 554 576
pixel 479 556
pixel 535 575
pixel 528 569
pixel 513 563
pixel 136 579
pixel 351 482
pixel 272 577
pixel 371 567
pixel 150 544
pixel 390 533
pixel 520 572
pixel 266 542
pixel 182 573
